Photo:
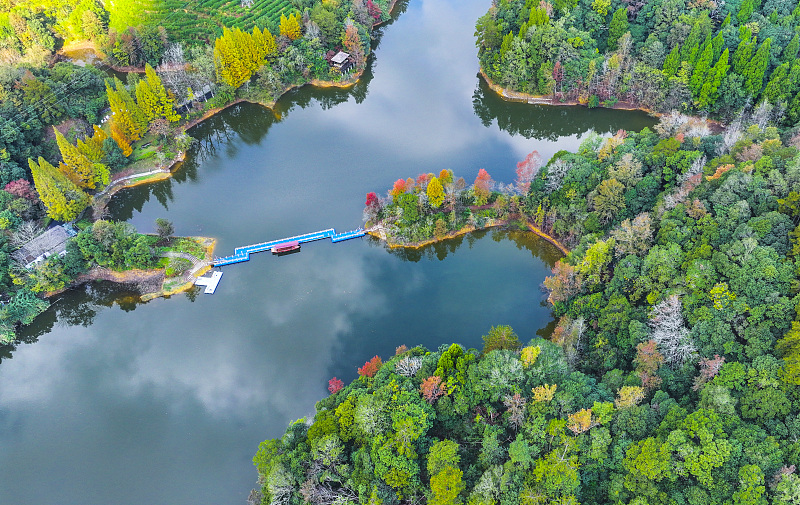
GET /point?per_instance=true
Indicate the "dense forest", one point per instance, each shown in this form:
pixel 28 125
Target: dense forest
pixel 702 56
pixel 68 132
pixel 671 376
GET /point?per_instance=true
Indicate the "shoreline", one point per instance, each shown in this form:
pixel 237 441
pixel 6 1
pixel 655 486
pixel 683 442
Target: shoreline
pixel 469 229
pixel 151 276
pixel 520 97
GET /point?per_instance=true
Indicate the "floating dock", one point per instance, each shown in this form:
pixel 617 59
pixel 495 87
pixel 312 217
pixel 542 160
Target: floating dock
pixel 241 254
pixel 210 283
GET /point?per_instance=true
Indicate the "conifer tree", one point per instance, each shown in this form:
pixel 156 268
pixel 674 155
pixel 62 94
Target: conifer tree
pixel 691 45
pixel 617 28
pixel 165 102
pixel 754 75
pixel 62 199
pixel 718 43
pixel 790 51
pixel 290 26
pixel 701 69
pixel 672 62
pixel 121 139
pixel 264 42
pixel 147 101
pixel 709 91
pixel 746 10
pixel 127 114
pixel 228 61
pixel 92 147
pixel 778 86
pixel 75 166
pixel 743 52
pixel 435 193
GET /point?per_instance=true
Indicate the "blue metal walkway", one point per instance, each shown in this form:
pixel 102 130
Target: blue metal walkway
pixel 241 254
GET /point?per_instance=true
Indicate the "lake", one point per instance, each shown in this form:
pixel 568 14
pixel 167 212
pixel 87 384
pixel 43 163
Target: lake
pixel 108 400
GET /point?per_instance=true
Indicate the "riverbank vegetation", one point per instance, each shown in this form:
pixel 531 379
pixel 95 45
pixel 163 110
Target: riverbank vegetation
pixel 703 57
pixel 107 245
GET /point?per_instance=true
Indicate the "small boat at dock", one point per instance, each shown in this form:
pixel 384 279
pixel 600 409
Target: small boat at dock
pixel 286 247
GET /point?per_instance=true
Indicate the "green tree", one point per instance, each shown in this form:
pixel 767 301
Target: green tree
pixel 500 337
pixel 790 51
pixel 751 487
pixel 617 28
pixel 778 86
pixel 754 77
pixel 710 90
pixel 701 70
pixel 446 486
pixel 609 199
pixel 672 62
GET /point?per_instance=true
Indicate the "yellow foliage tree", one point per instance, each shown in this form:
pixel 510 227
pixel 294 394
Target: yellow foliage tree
pixel 76 166
pixel 62 199
pixel 121 139
pixel 629 396
pixel 530 354
pixel 290 26
pixel 228 62
pixel 126 113
pixel 543 393
pixel 435 193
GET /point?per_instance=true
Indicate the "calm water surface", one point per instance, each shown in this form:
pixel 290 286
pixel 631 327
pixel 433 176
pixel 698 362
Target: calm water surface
pixel 110 401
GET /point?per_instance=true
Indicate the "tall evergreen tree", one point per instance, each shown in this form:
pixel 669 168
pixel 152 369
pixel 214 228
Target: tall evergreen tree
pixel 778 86
pixel 62 199
pixel 790 51
pixel 617 28
pixel 672 62
pixel 701 69
pixel 744 51
pixel 710 90
pixel 718 44
pixel 754 75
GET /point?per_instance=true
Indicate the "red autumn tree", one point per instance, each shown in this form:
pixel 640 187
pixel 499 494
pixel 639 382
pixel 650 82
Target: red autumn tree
pixel 432 388
pixel 372 200
pixel 335 385
pixel 709 368
pixel 22 189
pixel 423 179
pixel 647 361
pixel 398 189
pixel 527 170
pixel 371 367
pixel 374 10
pixel 481 187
